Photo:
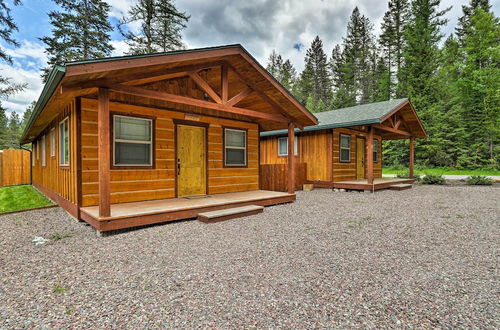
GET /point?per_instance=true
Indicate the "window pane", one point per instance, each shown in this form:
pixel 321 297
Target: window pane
pixel 235 138
pixel 132 154
pixel 296 145
pixel 235 156
pixel 132 129
pixel 344 154
pixel 283 146
pixel 375 150
pixel 345 141
pixel 66 142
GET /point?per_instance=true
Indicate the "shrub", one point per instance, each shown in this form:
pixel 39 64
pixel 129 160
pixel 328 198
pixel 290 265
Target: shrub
pixel 479 180
pixel 433 179
pixel 406 175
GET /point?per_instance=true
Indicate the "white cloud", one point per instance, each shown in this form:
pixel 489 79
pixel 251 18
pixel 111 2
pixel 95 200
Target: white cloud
pixel 120 47
pixel 29 50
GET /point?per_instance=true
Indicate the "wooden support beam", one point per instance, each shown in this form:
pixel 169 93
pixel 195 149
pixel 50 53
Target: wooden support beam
pixel 103 133
pixel 238 97
pixel 397 123
pixel 392 130
pixel 142 92
pixel 263 95
pixel 291 158
pixel 224 83
pixel 369 156
pixel 205 86
pixel 412 157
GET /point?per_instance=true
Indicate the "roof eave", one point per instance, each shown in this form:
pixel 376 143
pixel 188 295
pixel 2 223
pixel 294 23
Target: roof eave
pixel 322 127
pixel 53 80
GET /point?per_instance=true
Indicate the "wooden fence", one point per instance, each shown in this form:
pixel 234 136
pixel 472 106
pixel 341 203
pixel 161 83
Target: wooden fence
pixel 15 167
pixel 275 176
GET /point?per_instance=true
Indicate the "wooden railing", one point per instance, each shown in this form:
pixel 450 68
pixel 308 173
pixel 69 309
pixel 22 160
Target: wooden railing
pixel 15 167
pixel 275 176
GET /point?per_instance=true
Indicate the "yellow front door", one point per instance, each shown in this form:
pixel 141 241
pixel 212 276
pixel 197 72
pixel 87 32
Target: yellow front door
pixel 360 158
pixel 191 161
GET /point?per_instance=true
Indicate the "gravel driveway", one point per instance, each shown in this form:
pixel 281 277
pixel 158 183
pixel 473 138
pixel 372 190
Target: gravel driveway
pixel 425 257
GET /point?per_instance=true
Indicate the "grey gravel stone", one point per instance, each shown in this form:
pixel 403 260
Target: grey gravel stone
pixel 420 258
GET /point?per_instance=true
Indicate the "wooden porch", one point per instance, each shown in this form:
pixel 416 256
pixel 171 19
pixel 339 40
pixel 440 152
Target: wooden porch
pixel 378 183
pixel 126 215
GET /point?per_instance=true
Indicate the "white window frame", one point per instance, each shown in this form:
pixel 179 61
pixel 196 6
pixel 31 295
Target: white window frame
pixel 53 142
pixel 62 161
pixel 44 162
pixel 341 148
pixel 375 150
pixel 150 142
pixel 232 147
pixel 33 152
pixel 38 149
pixel 295 145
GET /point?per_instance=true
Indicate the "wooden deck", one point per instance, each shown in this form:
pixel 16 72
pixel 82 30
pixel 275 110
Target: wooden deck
pixel 126 215
pixel 362 184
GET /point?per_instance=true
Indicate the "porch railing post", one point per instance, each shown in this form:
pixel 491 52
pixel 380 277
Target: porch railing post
pixel 369 156
pixel 412 157
pixel 104 153
pixel 291 158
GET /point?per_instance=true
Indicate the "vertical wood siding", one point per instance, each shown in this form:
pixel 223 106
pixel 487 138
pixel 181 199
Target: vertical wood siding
pixel 15 167
pixel 129 185
pixel 60 180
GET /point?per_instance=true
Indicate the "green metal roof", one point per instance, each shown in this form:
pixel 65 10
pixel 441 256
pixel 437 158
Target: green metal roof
pixel 364 114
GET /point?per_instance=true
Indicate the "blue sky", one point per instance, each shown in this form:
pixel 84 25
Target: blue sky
pixel 288 26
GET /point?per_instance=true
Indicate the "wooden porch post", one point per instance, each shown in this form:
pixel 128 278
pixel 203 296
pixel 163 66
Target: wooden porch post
pixel 412 156
pixel 103 134
pixel 369 156
pixel 291 158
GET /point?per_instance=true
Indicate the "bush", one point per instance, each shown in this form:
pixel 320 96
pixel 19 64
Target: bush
pixel 433 179
pixel 479 180
pixel 406 175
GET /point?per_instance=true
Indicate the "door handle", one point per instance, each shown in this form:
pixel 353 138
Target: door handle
pixel 178 166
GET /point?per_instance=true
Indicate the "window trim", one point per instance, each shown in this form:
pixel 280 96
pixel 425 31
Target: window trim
pixel 61 141
pixel 44 151
pixel 33 152
pixel 295 142
pixel 245 130
pixel 375 150
pixel 152 143
pixel 52 142
pixel 340 148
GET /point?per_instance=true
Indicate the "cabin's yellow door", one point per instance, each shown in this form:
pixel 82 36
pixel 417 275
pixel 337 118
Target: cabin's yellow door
pixel 360 158
pixel 191 161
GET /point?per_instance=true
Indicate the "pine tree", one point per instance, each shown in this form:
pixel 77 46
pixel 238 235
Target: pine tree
pixel 284 72
pixel 13 132
pixel 468 11
pixel 4 124
pixel 315 84
pixel 7 28
pixel 344 86
pixel 26 115
pixel 479 86
pixel 161 26
pixel 81 31
pixel 392 40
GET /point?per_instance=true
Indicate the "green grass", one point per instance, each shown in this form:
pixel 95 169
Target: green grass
pixel 17 198
pixel 442 171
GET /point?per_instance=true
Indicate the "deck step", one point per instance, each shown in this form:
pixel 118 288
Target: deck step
pixel 401 186
pixel 231 213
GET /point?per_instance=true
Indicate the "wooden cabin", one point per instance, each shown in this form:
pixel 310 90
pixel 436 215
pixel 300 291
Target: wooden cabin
pixel 128 141
pixel 344 150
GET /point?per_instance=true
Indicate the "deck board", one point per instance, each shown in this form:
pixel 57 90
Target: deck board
pixel 180 204
pixel 378 183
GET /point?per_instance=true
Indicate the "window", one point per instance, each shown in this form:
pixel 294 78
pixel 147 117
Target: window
pixel 345 148
pixel 37 150
pixel 43 150
pixel 53 142
pixel 133 141
pixel 235 147
pixel 283 146
pixel 64 142
pixel 375 150
pixel 33 153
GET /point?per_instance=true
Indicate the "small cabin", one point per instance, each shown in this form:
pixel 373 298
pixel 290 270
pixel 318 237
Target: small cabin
pixel 128 141
pixel 344 150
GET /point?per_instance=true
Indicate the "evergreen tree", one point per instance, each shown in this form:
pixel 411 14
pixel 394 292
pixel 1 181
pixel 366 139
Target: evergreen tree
pixel 315 85
pixel 13 133
pixel 392 40
pixel 284 72
pixel 27 115
pixel 4 124
pixel 81 31
pixel 342 79
pixel 479 88
pixel 7 28
pixel 161 25
pixel 468 11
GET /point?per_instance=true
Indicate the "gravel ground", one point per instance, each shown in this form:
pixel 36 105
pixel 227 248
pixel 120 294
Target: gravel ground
pixel 420 258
